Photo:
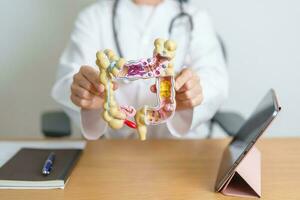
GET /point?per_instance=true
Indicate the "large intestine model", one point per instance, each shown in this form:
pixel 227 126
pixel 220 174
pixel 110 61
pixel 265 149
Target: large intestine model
pixel 160 66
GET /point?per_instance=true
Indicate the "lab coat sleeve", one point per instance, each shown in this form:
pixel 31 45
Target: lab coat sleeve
pixel 81 50
pixel 207 61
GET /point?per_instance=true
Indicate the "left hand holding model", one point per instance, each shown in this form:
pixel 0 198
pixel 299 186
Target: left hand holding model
pixel 188 90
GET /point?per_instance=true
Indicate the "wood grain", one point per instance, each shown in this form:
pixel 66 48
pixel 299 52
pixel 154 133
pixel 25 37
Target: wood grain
pixel 167 169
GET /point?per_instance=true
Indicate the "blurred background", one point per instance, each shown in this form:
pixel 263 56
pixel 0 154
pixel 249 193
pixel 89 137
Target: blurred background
pixel 261 36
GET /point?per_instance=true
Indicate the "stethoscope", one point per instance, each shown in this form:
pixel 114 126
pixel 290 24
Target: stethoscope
pixel 180 15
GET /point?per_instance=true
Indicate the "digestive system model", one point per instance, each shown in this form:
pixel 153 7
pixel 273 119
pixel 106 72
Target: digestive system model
pixel 160 67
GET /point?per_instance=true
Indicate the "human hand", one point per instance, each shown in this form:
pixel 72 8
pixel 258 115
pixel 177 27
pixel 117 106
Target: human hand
pixel 86 89
pixel 188 90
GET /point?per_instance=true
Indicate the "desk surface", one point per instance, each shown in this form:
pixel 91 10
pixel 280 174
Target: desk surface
pixel 168 169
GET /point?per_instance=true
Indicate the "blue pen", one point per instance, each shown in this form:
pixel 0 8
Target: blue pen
pixel 48 164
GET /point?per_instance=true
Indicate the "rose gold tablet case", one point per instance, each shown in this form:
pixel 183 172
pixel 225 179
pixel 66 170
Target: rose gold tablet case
pixel 245 181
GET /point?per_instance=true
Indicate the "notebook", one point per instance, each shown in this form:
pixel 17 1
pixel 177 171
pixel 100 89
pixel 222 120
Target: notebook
pixel 24 169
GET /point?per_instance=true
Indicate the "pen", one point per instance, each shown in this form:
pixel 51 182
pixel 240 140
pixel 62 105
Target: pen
pixel 48 164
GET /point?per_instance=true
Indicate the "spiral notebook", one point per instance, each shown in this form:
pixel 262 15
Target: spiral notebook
pixel 24 169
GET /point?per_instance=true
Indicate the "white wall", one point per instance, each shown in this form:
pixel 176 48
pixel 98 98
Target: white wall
pixel 262 37
pixel 33 35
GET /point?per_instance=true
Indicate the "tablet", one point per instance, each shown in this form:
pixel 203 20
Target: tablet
pixel 247 136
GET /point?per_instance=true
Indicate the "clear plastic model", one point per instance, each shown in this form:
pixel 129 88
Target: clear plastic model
pixel 160 67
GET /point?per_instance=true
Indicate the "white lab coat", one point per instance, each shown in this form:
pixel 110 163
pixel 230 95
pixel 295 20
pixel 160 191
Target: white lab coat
pixel 138 27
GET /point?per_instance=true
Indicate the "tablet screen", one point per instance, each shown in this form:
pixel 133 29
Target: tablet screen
pixel 248 134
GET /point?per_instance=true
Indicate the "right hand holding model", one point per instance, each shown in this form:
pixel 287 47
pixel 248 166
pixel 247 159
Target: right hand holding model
pixel 86 90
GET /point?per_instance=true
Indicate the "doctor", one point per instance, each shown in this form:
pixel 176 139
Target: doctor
pixel 129 27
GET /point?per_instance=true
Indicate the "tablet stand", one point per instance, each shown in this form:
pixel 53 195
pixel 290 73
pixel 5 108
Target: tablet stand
pixel 246 180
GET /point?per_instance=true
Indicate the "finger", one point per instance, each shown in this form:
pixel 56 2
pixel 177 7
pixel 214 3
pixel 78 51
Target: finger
pixel 185 75
pixel 190 84
pixel 153 88
pixel 101 89
pixel 189 94
pixel 115 85
pixel 84 83
pixel 80 80
pixel 81 92
pixel 83 103
pixel 181 105
pixel 92 75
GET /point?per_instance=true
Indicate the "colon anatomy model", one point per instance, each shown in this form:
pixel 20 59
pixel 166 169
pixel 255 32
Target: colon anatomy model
pixel 160 66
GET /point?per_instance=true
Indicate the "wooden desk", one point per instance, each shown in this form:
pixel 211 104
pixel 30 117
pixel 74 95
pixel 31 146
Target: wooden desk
pixel 165 169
